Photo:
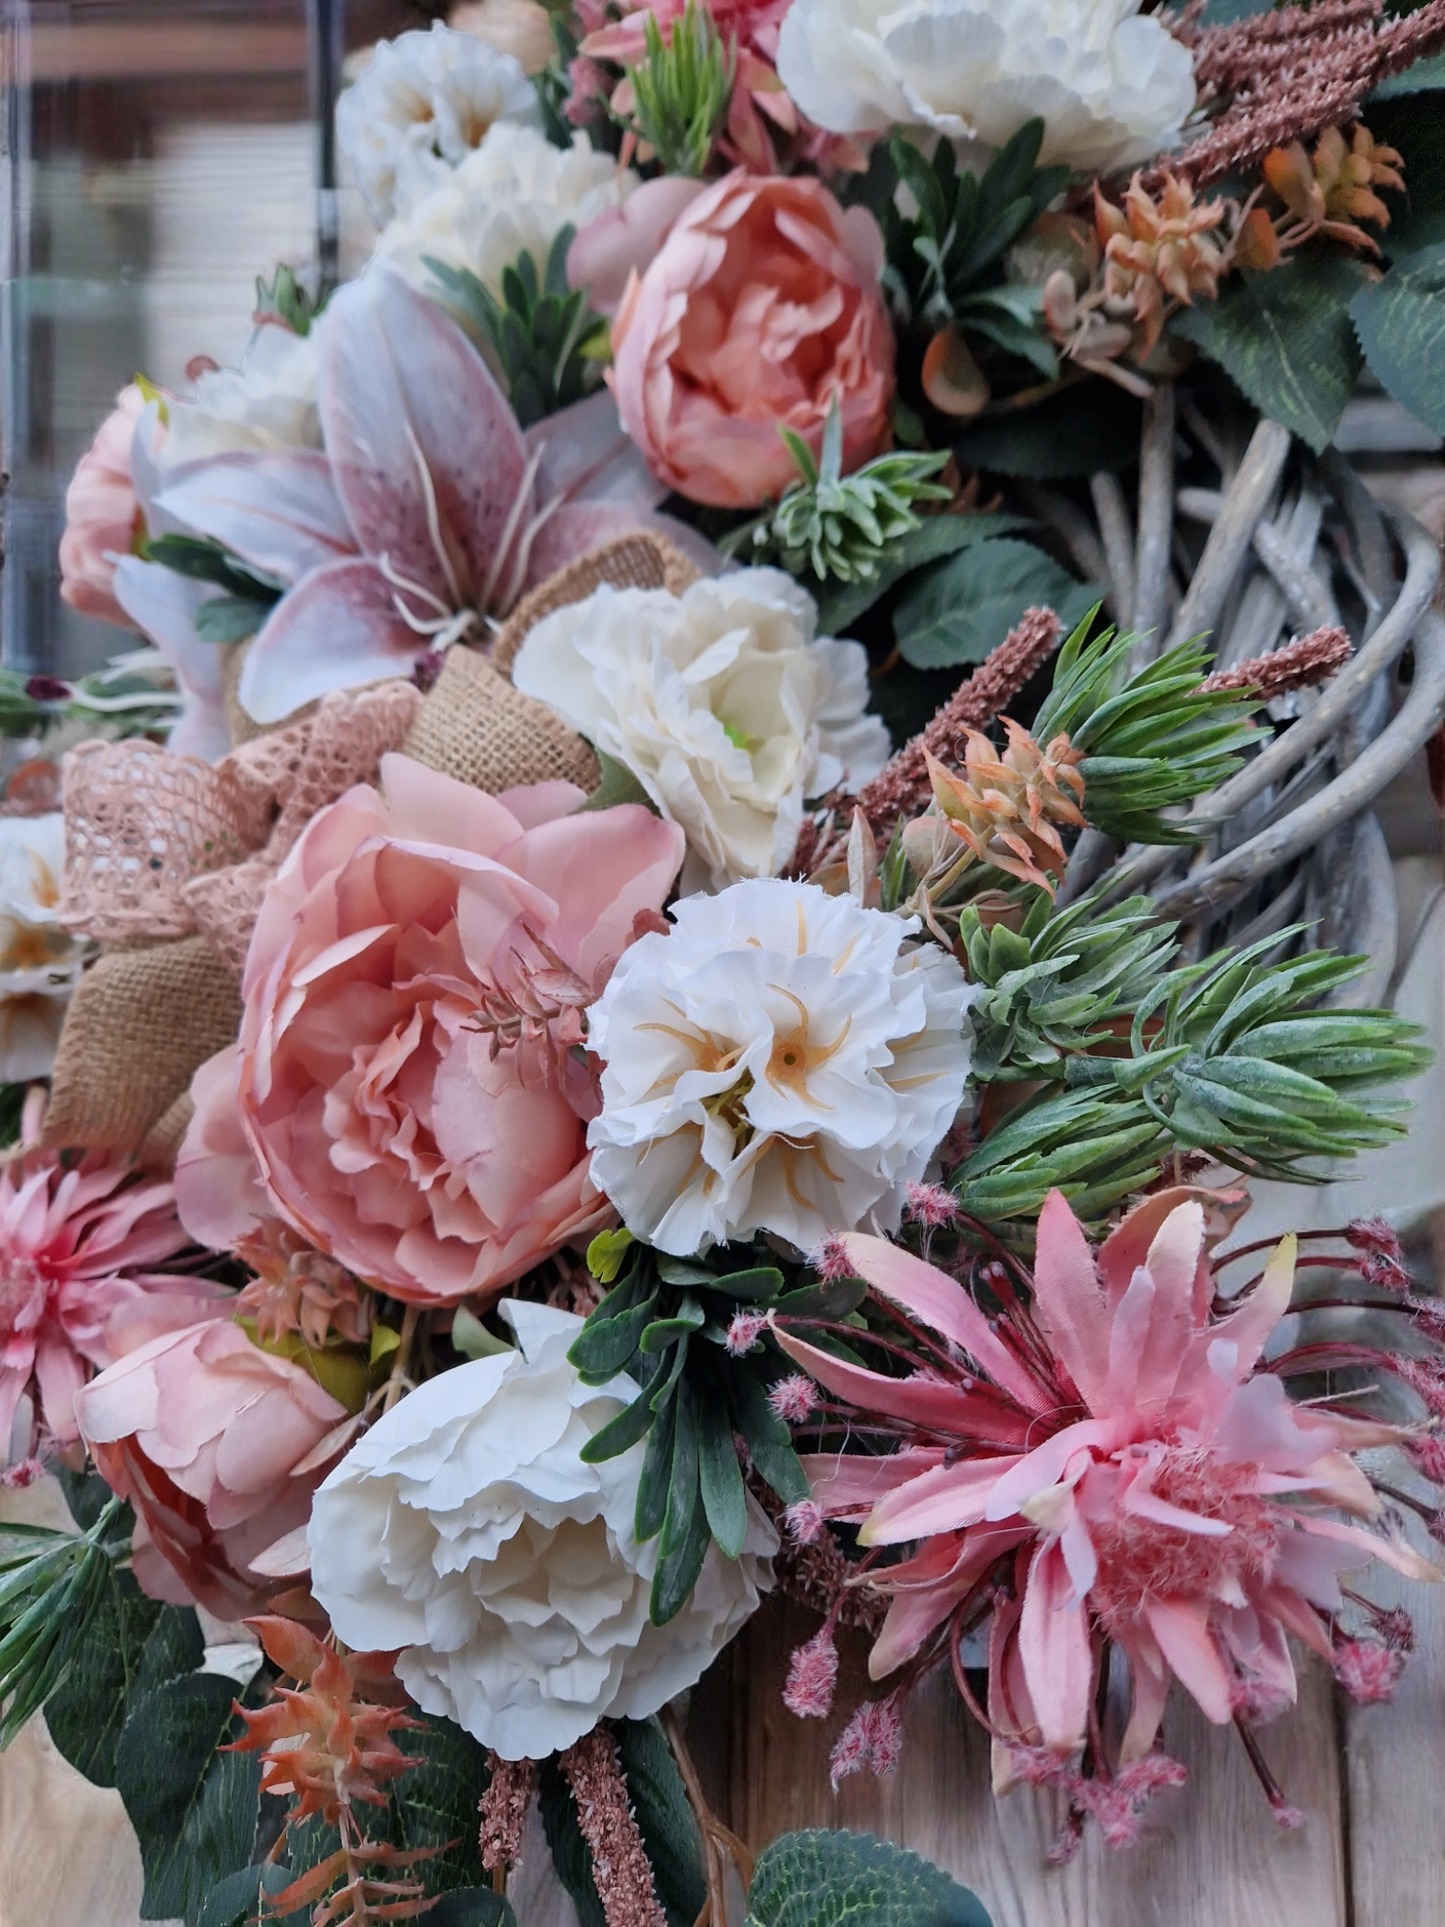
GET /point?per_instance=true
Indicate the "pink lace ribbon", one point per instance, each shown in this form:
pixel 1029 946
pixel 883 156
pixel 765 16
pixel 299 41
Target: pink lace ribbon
pixel 160 846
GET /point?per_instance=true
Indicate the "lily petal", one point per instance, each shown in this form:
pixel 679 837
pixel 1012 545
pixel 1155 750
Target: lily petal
pixel 337 629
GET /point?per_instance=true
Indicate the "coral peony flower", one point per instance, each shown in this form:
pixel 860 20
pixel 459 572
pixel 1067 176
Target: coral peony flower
pixel 621 241
pixel 421 105
pixel 1120 1467
pixel 402 1121
pixel 212 1441
pixel 784 1061
pixel 78 1251
pixel 102 516
pixel 721 702
pixel 762 307
pixel 1113 86
pixel 466 1529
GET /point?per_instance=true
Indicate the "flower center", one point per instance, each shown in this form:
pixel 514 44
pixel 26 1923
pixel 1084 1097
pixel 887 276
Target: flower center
pixel 23 1291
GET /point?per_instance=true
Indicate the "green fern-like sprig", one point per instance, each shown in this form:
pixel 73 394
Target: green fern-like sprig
pixel 680 93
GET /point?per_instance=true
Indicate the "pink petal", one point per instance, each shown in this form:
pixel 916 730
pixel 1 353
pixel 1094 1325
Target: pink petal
pixel 923 1401
pixel 1046 1464
pixel 844 1482
pixel 1069 1302
pixel 337 629
pixel 943 1499
pixel 279 510
pixel 1058 1659
pixel 1182 1630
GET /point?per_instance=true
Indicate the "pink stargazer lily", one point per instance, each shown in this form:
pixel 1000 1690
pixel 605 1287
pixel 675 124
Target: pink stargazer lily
pixel 429 511
pixel 1113 1463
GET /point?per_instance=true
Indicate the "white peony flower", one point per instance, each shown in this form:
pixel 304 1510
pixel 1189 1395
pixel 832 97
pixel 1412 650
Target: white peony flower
pixel 782 1061
pixel 1113 86
pixel 421 107
pixel 465 1528
pixel 720 701
pixel 513 195
pixel 268 402
pixel 39 963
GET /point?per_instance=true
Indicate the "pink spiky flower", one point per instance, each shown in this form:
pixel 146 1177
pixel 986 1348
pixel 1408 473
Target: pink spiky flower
pixel 744 1332
pixel 831 1261
pixel 80 1247
pixel 871 1742
pixel 931 1205
pixel 804 1521
pixel 794 1398
pixel 1368 1671
pixel 812 1677
pixel 1116 1466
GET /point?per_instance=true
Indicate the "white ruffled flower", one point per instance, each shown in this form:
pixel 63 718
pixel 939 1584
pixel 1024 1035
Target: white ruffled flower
pixel 421 107
pixel 721 702
pixel 513 195
pixel 1113 86
pixel 39 963
pixel 782 1061
pixel 465 1529
pixel 268 402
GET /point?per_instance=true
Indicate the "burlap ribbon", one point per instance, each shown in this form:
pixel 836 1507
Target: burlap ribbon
pixel 167 857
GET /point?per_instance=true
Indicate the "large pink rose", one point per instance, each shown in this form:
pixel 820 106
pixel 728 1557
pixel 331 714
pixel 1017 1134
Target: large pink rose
pixel 407 1075
pixel 100 514
pixel 762 305
pixel 212 1441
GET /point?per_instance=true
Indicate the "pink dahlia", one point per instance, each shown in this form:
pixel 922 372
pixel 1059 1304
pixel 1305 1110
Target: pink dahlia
pixel 1113 1464
pixel 78 1249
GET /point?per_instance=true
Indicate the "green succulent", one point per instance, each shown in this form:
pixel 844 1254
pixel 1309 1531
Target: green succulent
pixel 284 297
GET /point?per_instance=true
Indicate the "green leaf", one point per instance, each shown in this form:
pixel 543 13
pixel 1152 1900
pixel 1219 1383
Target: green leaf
pixel 133 1644
pixel 618 785
pixel 230 618
pixel 234 1901
pixel 678 1569
pixel 724 1496
pixel 665 1819
pixel 654 1483
pixel 1076 429
pixel 630 1424
pixel 1426 75
pixel 606 1253
pixel 819 1879
pixel 963 608
pixel 1401 325
pixel 471 1907
pixel 472 1339
pixel 1285 338
pixel 840 604
pixel 434 1804
pixel 194 1808
pixel 684 1500
pixel 605 1345
pixel 571 1856
pixel 767 1437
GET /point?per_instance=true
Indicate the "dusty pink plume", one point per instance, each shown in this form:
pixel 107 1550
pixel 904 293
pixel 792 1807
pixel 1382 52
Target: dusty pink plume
pixel 504 1810
pixel 1299 665
pixel 620 1867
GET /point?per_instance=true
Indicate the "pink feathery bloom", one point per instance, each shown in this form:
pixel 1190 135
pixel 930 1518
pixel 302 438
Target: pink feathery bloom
pixel 812 1677
pixel 1375 1234
pixel 433 1158
pixel 831 1261
pixel 1130 1475
pixel 79 1249
pixel 931 1205
pixel 794 1398
pixel 1368 1671
pixel 761 310
pixel 804 1521
pixel 102 516
pixel 871 1742
pixel 744 1332
pixel 1119 1804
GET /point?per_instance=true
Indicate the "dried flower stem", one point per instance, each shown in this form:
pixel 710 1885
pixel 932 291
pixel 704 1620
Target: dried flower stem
pixel 903 784
pixel 817 1574
pixel 719 1843
pixel 1300 664
pixel 620 1868
pixel 504 1811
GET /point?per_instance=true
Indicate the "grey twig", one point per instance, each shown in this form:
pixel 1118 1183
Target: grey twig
pixel 1243 504
pixel 1156 523
pixel 1112 512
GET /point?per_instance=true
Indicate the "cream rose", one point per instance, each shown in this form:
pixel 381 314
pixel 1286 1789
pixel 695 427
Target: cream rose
pixel 782 1061
pixel 1113 86
pixel 721 702
pixel 465 1529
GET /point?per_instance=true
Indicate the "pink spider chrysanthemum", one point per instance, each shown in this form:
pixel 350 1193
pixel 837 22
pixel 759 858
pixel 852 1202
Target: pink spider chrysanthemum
pixel 78 1247
pixel 1113 1463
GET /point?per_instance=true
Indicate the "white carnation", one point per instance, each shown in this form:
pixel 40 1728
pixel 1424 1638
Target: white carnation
pixel 720 701
pixel 1113 87
pixel 268 402
pixel 424 103
pixel 465 1529
pixel 782 1061
pixel 513 195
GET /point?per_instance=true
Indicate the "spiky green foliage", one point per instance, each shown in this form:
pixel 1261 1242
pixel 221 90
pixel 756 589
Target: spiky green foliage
pixel 1053 987
pixel 681 91
pixel 52 1586
pixel 838 526
pixel 1233 1058
pixel 945 259
pixel 1151 741
pixel 665 1323
pixel 284 297
pixel 543 337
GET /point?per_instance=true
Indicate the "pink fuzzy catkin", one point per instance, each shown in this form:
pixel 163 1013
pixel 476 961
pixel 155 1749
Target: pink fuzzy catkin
pixel 620 1868
pixel 1299 665
pixel 504 1810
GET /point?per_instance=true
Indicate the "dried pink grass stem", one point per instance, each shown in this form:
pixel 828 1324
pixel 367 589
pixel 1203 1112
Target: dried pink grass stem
pixel 620 1868
pixel 1282 76
pixel 1299 665
pixel 504 1810
pixel 901 786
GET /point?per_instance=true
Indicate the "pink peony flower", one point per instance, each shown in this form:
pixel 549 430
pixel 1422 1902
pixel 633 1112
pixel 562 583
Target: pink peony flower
pixel 619 242
pixel 760 309
pixel 101 514
pixel 1118 1467
pixel 406 1075
pixel 78 1247
pixel 214 1442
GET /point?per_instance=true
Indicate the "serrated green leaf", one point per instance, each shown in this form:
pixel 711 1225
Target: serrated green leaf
pixel 1401 325
pixel 133 1644
pixel 1285 339
pixel 234 1901
pixel 840 604
pixel 820 1879
pixel 961 610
